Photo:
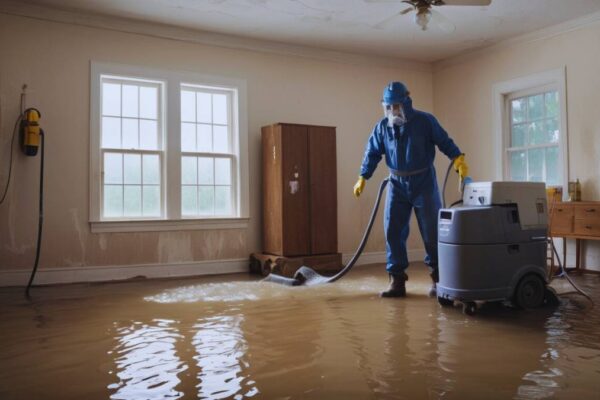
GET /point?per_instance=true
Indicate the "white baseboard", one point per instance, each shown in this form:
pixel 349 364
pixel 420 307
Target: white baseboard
pixel 380 257
pixel 52 276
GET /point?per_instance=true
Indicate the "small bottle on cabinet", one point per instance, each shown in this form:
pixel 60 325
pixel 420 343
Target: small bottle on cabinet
pixel 577 191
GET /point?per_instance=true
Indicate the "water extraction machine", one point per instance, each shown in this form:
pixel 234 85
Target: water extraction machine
pixel 493 247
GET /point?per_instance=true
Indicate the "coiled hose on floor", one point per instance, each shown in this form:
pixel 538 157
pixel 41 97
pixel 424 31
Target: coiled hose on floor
pixel 308 276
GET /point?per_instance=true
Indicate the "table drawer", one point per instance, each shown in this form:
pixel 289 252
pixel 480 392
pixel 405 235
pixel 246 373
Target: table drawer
pixel 586 212
pixel 589 227
pixel 562 219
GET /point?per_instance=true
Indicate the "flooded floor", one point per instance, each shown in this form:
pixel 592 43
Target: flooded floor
pixel 232 337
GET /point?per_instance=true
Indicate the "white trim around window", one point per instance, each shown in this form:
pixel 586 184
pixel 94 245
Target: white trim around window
pixel 169 149
pixel 554 79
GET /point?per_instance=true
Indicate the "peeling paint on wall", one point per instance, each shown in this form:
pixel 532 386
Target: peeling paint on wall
pixel 174 247
pixel 80 233
pixel 102 242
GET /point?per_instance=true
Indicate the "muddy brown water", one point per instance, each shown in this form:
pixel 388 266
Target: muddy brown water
pixel 230 337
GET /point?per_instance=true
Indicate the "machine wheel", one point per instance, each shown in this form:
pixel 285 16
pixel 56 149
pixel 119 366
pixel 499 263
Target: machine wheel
pixel 551 298
pixel 444 302
pixel 530 292
pixel 469 308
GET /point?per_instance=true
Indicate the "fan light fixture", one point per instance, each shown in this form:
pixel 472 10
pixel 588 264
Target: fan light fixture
pixel 425 12
pixel 422 18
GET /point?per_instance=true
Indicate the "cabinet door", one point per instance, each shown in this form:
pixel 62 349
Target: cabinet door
pixel 562 219
pixel 587 211
pixel 295 190
pixel 272 190
pixel 323 190
pixel 587 227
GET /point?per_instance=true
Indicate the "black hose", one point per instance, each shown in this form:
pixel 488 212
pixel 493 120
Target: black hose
pixel 307 276
pixel 40 218
pixel 564 270
pixel 445 183
pixel 363 241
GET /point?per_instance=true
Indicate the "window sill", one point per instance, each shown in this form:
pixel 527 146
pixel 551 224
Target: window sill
pixel 168 225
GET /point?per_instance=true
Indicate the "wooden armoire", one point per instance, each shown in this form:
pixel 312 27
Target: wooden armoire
pixel 299 190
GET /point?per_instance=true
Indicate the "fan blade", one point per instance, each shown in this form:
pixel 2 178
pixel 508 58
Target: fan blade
pixel 467 2
pixel 387 22
pixel 406 11
pixel 442 22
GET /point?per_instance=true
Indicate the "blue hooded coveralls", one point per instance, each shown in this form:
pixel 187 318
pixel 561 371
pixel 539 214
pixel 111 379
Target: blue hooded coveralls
pixel 409 148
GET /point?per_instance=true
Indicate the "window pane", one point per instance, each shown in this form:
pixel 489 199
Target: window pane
pixel 111 99
pixel 113 168
pixel 188 171
pixel 222 171
pixel 151 169
pixel 130 133
pixel 518 135
pixel 205 171
pixel 148 135
pixel 132 206
pixel 188 106
pixel 553 175
pixel 537 133
pixel 132 172
pixel 148 102
pixel 204 107
pixel 219 109
pixel 189 200
pixel 536 165
pixel 111 132
pixel 220 139
pixel 536 107
pixel 206 196
pixel 205 138
pixel 151 201
pixel 518 166
pixel 551 104
pixel 552 130
pixel 519 110
pixel 130 101
pixel 188 136
pixel 113 200
pixel 222 200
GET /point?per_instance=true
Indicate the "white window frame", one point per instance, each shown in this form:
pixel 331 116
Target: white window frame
pixel 548 80
pixel 171 177
pixel 231 156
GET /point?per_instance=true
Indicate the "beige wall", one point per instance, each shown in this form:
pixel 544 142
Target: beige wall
pixel 53 59
pixel 463 102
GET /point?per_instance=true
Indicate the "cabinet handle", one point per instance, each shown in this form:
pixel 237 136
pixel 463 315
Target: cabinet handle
pixel 559 209
pixel 590 209
pixel 588 227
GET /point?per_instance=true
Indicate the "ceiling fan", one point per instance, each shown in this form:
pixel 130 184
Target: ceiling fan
pixel 424 11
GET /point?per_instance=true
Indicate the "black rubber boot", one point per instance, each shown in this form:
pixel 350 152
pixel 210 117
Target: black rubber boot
pixel 397 286
pixel 435 278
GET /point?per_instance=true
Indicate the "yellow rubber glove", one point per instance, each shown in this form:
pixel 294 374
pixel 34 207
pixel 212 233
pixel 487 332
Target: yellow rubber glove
pixel 359 186
pixel 460 166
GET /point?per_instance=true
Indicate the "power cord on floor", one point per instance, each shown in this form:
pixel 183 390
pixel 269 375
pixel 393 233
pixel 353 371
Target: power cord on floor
pixel 564 271
pixel 40 217
pixel 554 252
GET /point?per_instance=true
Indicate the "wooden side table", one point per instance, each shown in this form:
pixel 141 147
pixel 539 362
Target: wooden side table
pixel 575 220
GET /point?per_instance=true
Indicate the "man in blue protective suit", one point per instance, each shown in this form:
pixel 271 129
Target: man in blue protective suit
pixel 407 138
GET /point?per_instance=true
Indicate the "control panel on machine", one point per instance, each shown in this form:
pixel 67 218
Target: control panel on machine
pixel 530 198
